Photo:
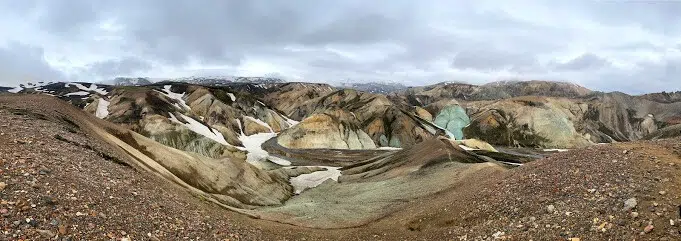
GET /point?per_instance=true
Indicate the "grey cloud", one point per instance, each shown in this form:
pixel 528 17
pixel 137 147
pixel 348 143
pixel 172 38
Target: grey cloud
pixel 492 60
pixel 583 62
pixel 113 68
pixel 20 63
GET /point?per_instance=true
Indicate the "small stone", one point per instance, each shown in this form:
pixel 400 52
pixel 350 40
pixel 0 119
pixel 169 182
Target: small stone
pixel 80 214
pixel 671 222
pixel 574 239
pixel 630 204
pixel 62 229
pixel 3 185
pixel 625 151
pixel 634 214
pixel 648 228
pixel 46 233
pixel 591 190
pixel 550 209
pixel 16 223
pixel 54 222
pixel 32 222
pixel 662 192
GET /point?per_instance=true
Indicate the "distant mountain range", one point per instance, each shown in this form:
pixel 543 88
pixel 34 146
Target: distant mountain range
pixel 375 87
pixel 208 80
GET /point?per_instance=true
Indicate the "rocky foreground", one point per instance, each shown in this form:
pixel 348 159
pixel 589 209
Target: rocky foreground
pixel 60 182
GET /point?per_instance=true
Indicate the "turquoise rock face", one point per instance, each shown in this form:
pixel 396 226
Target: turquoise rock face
pixel 453 118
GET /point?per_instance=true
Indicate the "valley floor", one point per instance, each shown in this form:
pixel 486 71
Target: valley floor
pixel 59 182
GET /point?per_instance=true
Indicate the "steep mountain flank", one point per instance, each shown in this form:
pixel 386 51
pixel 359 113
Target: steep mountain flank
pixel 329 130
pixel 386 123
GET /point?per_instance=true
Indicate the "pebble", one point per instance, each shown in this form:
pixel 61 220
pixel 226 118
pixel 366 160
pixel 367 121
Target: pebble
pixel 550 208
pixel 3 185
pixel 630 204
pixel 663 192
pixel 648 228
pixel 671 222
pixel 46 233
pixel 634 214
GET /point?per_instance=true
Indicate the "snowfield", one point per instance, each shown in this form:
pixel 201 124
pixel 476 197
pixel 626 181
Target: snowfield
pixel 35 86
pixel 200 129
pixel 311 180
pixel 78 93
pixel 102 109
pixel 92 88
pixel 253 144
pixel 175 96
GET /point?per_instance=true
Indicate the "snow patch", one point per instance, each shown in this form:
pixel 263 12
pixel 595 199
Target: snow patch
pixel 200 129
pixel 35 86
pixel 290 121
pixel 467 148
pixel 253 144
pixel 15 90
pixel 558 150
pixel 92 88
pixel 102 109
pixel 259 122
pixel 241 129
pixel 78 93
pixel 279 161
pixel 311 180
pixel 175 96
pixel 231 96
pixel 389 148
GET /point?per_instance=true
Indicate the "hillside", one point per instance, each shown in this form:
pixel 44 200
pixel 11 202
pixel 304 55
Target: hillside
pixel 68 179
pixel 302 160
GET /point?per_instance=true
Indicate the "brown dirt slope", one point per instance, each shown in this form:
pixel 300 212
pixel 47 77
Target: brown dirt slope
pixel 587 189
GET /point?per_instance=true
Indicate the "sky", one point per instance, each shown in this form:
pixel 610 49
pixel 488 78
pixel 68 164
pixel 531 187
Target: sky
pixel 629 46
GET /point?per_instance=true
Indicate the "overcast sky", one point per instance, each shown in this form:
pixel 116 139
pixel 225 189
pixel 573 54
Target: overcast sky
pixel 632 46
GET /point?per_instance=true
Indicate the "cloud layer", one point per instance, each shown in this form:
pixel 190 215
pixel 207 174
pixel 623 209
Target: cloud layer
pixel 633 47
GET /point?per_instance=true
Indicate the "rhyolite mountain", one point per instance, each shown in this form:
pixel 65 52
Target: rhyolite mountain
pixel 538 114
